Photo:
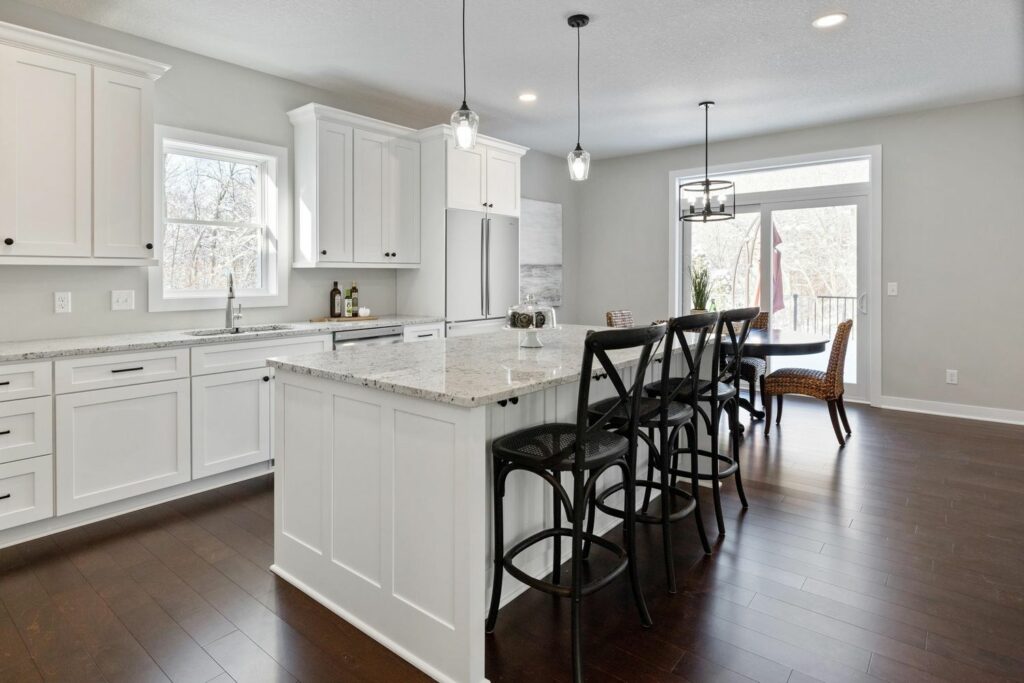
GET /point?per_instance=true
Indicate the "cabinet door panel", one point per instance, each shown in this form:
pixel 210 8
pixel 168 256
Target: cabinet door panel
pixel 45 155
pixel 230 421
pixel 123 164
pixel 334 192
pixel 503 182
pixel 113 444
pixel 466 170
pixel 371 210
pixel 404 236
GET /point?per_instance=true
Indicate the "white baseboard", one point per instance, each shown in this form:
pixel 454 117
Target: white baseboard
pixel 914 405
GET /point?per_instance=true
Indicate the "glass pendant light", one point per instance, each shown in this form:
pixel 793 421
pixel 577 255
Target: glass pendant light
pixel 703 201
pixel 464 120
pixel 579 158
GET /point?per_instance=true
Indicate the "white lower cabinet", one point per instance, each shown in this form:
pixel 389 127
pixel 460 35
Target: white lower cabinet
pixel 117 443
pixel 230 420
pixel 26 491
pixel 25 428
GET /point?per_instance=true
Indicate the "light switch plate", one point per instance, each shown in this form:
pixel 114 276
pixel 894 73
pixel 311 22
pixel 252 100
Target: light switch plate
pixel 62 302
pixel 952 377
pixel 893 289
pixel 122 300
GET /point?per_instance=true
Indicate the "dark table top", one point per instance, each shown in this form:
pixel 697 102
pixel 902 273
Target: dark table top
pixel 781 343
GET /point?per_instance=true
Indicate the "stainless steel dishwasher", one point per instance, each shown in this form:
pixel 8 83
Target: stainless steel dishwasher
pixel 373 336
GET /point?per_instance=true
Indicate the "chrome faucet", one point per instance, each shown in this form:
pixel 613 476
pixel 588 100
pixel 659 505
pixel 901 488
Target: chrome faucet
pixel 230 315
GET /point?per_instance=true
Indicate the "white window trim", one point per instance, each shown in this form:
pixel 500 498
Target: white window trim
pixel 679 275
pixel 276 196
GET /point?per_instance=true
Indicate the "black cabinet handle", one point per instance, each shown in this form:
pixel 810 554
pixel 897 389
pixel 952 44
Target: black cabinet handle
pixel 424 336
pixel 323 252
pixel 9 241
pixel 514 400
pixel 149 245
pixel 127 369
pixel 5 496
pixel 266 378
pixel 5 383
pixel 394 253
pixel 5 432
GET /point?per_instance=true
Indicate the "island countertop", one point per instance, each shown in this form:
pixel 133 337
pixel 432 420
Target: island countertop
pixel 464 371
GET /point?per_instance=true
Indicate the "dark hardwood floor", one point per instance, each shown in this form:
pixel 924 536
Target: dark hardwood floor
pixel 897 558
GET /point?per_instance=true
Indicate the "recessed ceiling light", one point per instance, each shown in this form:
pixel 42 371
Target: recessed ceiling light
pixel 829 20
pixel 527 97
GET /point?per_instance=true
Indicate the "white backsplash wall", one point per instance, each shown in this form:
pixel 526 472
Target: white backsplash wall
pixel 26 301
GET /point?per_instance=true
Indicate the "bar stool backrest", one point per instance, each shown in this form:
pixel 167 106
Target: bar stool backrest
pixel 598 345
pixel 736 324
pixel 701 324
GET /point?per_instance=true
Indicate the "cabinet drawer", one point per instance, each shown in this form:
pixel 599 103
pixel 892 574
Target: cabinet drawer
pixel 253 354
pixel 101 372
pixel 26 428
pixel 26 491
pixel 415 333
pixel 25 380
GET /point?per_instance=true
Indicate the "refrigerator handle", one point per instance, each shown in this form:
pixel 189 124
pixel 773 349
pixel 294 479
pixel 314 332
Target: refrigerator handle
pixel 487 294
pixel 483 268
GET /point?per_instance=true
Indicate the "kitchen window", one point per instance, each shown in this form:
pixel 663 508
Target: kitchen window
pixel 221 208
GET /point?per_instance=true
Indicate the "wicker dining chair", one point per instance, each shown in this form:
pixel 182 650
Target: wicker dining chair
pixel 619 318
pixel 826 385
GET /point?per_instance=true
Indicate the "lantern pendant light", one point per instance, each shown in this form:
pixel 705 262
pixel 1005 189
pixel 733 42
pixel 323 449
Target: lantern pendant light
pixel 703 201
pixel 464 120
pixel 579 158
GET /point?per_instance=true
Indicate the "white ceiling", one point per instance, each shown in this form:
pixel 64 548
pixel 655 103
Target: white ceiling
pixel 646 63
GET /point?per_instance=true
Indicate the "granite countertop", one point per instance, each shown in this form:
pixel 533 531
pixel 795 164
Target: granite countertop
pixel 464 371
pixel 37 349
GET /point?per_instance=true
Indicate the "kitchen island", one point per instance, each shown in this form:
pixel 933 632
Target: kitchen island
pixel 382 490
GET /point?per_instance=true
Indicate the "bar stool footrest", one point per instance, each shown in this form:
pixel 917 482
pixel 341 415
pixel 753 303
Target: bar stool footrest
pixel 642 517
pixel 729 469
pixel 558 589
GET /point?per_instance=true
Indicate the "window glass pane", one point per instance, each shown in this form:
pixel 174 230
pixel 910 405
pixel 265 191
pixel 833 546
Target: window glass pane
pixel 198 257
pixel 731 250
pixel 794 177
pixel 210 189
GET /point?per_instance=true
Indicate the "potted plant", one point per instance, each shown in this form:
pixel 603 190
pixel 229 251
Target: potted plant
pixel 700 287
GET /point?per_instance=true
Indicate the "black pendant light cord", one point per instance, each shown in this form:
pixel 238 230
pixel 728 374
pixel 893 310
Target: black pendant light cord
pixel 463 54
pixel 706 107
pixel 578 86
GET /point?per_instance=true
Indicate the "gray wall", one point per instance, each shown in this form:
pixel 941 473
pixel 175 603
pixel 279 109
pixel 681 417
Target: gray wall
pixel 953 237
pixel 216 97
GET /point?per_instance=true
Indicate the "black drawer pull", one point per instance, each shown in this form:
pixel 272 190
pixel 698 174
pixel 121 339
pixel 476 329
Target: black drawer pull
pixel 514 400
pixel 424 336
pixel 5 432
pixel 266 378
pixel 128 369
pixel 5 383
pixel 5 496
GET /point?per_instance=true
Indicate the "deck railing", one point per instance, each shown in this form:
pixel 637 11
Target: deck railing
pixel 821 314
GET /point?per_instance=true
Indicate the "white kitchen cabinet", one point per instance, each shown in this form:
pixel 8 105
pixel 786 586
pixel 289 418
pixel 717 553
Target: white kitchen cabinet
pixel 417 333
pixel 26 428
pixel 372 195
pixel 45 155
pixel 467 177
pixel 25 380
pixel 210 358
pixel 26 491
pixel 503 181
pixel 85 373
pixel 122 165
pixel 230 420
pixel 358 191
pixel 117 443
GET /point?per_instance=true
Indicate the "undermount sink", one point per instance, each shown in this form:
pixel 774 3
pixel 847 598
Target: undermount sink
pixel 225 331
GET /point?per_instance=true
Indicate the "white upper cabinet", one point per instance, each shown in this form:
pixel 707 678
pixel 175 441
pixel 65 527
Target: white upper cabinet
pixel 358 191
pixel 485 177
pixel 45 155
pixel 122 164
pixel 76 152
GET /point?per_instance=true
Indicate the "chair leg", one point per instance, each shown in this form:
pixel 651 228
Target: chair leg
pixel 691 442
pixel 576 594
pixel 750 385
pixel 666 508
pixel 842 414
pixel 629 530
pixel 716 484
pixel 764 399
pixel 778 406
pixel 650 472
pixel 591 509
pixel 766 402
pixel 736 459
pixel 833 413
pixel 556 572
pixel 499 550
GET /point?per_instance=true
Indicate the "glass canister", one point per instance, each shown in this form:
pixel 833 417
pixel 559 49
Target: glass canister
pixel 530 315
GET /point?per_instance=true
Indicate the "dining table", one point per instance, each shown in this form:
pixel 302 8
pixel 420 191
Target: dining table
pixel 776 342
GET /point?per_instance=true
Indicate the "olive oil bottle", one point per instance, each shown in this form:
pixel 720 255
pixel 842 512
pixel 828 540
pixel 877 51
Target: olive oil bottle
pixel 337 303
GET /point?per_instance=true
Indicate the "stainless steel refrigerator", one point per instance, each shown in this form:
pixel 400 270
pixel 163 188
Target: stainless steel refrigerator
pixel 482 270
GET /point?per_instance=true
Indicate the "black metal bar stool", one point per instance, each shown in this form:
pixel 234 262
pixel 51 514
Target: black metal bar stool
pixel 721 393
pixel 586 450
pixel 667 413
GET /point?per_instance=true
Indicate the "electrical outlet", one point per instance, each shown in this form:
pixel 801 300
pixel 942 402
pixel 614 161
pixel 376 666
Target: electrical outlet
pixel 122 300
pixel 893 289
pixel 952 377
pixel 62 302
